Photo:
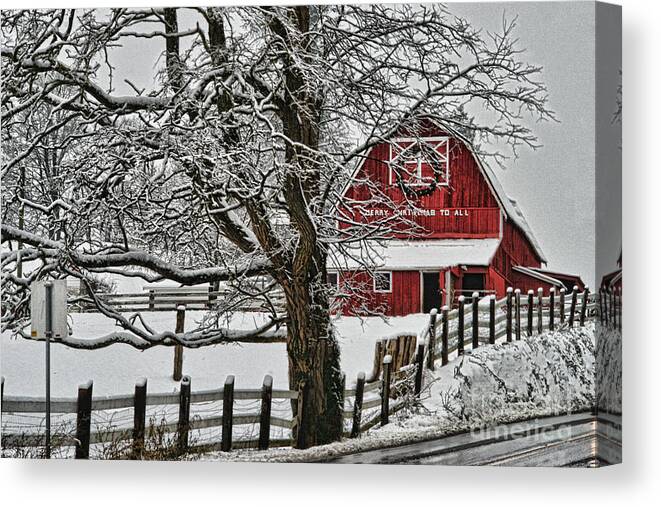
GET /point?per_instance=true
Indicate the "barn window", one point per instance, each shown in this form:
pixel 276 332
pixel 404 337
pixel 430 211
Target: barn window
pixel 420 161
pixel 333 280
pixel 383 281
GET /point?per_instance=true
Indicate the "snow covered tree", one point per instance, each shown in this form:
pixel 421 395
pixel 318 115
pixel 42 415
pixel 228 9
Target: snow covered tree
pixel 230 165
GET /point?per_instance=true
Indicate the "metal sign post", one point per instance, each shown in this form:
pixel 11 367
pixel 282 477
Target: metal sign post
pixel 49 334
pixel 48 313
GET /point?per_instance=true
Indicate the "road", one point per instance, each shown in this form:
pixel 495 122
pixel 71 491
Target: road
pixel 550 441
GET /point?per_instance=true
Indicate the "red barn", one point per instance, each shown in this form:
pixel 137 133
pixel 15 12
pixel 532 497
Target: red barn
pixel 470 235
pixel 613 280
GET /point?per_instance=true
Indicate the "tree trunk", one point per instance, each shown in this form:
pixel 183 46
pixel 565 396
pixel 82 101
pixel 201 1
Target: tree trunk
pixel 314 364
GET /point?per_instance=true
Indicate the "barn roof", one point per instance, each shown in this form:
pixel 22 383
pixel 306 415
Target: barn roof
pixel 539 275
pixel 612 278
pixel 416 255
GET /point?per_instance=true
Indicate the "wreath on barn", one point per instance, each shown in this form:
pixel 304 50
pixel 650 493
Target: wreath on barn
pixel 431 157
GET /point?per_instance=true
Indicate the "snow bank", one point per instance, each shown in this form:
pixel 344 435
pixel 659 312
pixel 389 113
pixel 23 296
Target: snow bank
pixel 553 373
pixel 609 369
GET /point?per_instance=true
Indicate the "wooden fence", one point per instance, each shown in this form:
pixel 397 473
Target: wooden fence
pixel 167 299
pixel 396 378
pixel 365 405
pixel 610 307
pixel 84 405
pixel 515 316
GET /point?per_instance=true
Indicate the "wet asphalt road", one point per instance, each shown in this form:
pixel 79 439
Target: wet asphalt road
pixel 552 441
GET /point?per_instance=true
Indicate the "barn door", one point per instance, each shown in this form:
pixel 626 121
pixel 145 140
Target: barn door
pixel 472 282
pixel 431 291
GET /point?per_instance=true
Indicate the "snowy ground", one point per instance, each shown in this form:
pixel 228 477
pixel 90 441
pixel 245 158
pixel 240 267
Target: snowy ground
pixel 115 369
pixel 540 376
pixel 492 385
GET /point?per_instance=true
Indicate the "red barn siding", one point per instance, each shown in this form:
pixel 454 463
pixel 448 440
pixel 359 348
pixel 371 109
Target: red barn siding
pixel 403 299
pixel 526 283
pixel 496 282
pixel 514 250
pixel 467 192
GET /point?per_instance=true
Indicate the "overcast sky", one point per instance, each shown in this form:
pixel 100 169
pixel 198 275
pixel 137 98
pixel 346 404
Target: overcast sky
pixel 554 185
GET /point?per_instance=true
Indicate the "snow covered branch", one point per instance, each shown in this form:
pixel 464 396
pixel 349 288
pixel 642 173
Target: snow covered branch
pixel 55 250
pixel 262 334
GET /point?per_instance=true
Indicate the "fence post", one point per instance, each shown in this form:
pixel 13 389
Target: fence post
pixel 476 320
pixel 358 404
pixel 601 305
pixel 265 413
pixel 420 364
pixel 378 358
pixel 301 399
pixel 552 309
pixel 540 310
pixel 572 308
pixel 343 384
pixel 615 316
pixel 84 420
pixel 517 313
pixel 139 417
pixel 385 389
pixel 2 396
pixel 432 339
pixel 184 414
pixel 619 308
pixel 508 328
pixel 613 303
pixel 584 305
pixel 151 299
pixel 444 335
pixel 179 349
pixel 531 305
pixel 492 319
pixel 210 296
pixel 460 326
pixel 562 305
pixel 228 413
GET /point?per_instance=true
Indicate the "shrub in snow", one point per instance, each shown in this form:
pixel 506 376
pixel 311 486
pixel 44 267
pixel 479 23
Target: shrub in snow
pixel 550 373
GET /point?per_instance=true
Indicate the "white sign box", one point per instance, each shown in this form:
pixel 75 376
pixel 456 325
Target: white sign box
pixel 38 309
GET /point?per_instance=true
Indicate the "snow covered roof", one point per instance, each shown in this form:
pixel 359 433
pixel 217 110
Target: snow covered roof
pixel 538 275
pixel 416 255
